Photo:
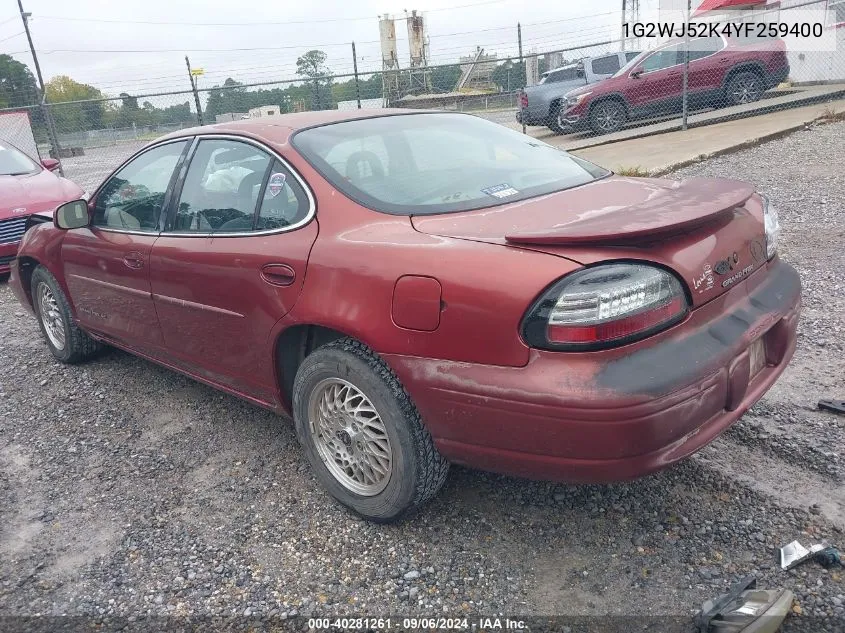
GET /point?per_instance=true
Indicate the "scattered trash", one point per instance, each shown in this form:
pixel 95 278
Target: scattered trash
pixel 829 557
pixel 745 609
pixel 794 554
pixel 836 406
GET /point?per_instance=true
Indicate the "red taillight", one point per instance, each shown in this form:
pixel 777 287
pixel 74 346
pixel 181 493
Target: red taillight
pixel 605 306
pixel 623 328
pixel 523 100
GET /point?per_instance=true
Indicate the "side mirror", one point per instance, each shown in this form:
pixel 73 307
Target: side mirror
pixel 50 164
pixel 637 72
pixel 72 215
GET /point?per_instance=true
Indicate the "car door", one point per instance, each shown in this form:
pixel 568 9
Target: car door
pixel 659 87
pixel 106 264
pixel 231 262
pixel 708 64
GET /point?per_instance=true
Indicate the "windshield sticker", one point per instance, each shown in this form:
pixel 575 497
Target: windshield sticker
pixel 500 191
pixel 276 184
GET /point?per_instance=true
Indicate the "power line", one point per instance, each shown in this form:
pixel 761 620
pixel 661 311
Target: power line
pixel 11 37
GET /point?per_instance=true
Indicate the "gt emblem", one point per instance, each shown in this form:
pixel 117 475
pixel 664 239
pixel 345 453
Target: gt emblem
pixel 19 210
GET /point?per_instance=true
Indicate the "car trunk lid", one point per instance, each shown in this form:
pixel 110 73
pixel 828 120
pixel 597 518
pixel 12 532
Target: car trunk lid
pixel 710 232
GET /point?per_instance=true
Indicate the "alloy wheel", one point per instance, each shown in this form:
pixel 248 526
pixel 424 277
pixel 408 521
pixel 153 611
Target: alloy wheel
pixel 746 89
pixel 350 436
pixel 608 117
pixel 51 316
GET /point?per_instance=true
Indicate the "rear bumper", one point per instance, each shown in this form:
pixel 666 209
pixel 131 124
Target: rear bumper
pixel 617 414
pixel 538 115
pixel 779 76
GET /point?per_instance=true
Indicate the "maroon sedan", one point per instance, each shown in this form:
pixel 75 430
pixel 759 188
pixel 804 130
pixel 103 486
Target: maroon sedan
pixel 418 289
pixel 26 188
pixel 721 72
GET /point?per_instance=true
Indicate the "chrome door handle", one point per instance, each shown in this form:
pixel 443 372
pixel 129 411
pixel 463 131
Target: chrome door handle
pixel 133 260
pixel 278 274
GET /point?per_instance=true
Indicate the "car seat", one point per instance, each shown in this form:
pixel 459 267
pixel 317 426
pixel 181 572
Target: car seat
pixel 363 169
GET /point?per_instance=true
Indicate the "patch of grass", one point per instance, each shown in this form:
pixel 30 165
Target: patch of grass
pixel 830 115
pixel 636 171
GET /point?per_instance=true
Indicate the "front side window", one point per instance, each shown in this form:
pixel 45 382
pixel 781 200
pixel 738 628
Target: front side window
pixel 662 59
pixel 133 198
pixel 221 188
pixel 14 162
pixel 437 163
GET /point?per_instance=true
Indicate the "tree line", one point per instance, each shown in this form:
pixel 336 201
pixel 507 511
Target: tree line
pixel 315 89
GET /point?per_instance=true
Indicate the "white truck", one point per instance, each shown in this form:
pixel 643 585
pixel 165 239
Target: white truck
pixel 540 104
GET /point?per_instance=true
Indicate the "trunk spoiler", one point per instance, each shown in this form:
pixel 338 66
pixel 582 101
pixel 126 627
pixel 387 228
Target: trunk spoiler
pixel 687 205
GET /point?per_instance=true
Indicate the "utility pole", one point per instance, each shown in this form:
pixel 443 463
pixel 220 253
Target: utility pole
pixel 685 105
pixel 194 90
pixel 48 116
pixel 522 63
pixel 355 70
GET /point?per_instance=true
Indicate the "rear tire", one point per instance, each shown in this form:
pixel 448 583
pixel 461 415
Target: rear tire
pixel 66 340
pixel 362 434
pixel 608 116
pixel 744 87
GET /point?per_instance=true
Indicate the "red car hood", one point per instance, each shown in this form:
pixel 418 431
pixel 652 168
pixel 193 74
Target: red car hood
pixel 36 193
pixel 694 227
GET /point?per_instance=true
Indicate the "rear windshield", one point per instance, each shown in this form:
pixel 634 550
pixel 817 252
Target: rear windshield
pixel 419 164
pixel 13 162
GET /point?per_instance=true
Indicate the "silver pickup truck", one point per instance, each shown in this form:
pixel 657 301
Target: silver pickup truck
pixel 540 104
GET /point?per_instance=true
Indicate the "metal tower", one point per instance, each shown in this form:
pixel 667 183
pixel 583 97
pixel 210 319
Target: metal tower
pixel 630 15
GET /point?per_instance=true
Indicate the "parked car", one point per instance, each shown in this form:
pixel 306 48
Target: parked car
pixel 26 188
pixel 721 72
pixel 423 288
pixel 540 104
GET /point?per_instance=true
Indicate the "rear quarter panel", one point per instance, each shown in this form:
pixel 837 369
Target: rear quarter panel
pixel 360 254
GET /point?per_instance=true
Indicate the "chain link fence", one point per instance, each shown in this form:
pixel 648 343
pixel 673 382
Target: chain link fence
pixel 612 89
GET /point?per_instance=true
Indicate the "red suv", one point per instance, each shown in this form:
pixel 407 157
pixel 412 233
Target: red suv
pixel 721 71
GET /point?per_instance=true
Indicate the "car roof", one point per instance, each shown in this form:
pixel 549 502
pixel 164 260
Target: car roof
pixel 280 128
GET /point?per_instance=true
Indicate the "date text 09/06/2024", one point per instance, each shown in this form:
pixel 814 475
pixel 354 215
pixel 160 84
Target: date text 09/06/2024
pixel 416 624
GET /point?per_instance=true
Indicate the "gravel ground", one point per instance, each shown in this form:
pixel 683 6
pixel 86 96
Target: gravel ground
pixel 128 490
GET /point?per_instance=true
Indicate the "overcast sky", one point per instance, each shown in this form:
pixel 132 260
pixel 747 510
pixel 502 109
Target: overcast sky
pixel 164 31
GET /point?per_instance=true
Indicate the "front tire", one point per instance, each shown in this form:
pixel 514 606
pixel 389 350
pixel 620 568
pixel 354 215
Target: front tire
pixel 556 125
pixel 608 116
pixel 66 340
pixel 362 434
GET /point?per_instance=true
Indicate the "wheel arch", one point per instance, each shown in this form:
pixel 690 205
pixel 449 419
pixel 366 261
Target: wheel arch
pixel 749 66
pixel 27 266
pixel 292 346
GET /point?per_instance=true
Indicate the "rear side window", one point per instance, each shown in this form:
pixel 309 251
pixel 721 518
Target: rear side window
pixel 704 47
pixel 605 65
pixel 284 202
pixel 221 188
